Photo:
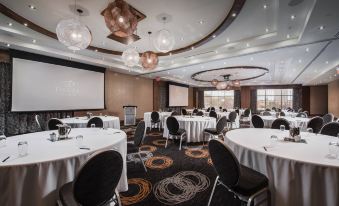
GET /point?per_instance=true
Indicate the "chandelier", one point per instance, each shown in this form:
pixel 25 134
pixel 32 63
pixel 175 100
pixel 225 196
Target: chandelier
pixel 164 40
pixel 130 57
pixel 214 82
pixel 226 84
pixel 149 59
pixel 221 85
pixel 120 19
pixel 73 34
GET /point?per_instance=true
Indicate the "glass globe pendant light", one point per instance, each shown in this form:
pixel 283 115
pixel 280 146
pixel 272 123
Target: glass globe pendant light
pixel 164 40
pixel 130 57
pixel 149 59
pixel 73 34
pixel 214 82
pixel 221 85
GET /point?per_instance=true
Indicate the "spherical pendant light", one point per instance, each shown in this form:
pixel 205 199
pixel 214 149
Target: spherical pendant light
pixel 130 57
pixel 149 60
pixel 73 34
pixel 214 82
pixel 164 41
pixel 221 85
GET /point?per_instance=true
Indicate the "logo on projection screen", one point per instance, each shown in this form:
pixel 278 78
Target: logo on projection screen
pixel 68 88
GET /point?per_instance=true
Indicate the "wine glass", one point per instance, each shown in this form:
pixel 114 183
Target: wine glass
pixel 2 139
pixel 309 131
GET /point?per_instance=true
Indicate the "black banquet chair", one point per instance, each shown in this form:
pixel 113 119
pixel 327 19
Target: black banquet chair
pixel 139 134
pixel 174 130
pixel 316 124
pixel 40 123
pixel 282 114
pixel 280 121
pixel 183 111
pixel 195 111
pixel 212 108
pixel 302 114
pixel 331 129
pixel 155 120
pixel 175 113
pixel 221 124
pixel 257 122
pixel 52 123
pixel 266 113
pixel 328 118
pixel 96 182
pixel 231 119
pixel 200 113
pixel 213 114
pixel 97 121
pixel 245 183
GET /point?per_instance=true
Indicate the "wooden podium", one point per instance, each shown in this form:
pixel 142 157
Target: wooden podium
pixel 130 114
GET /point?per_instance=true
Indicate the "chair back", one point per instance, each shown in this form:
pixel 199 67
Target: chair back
pixel 280 121
pixel 274 109
pixel 267 110
pixel 213 114
pixel 139 133
pixel 282 114
pixel 257 122
pixel 300 110
pixel 232 116
pixel 331 129
pixel 155 116
pixel 212 108
pixel 237 111
pixel 97 121
pixel 301 114
pixel 328 118
pixel 266 113
pixel 247 112
pixel 175 113
pixel 316 124
pixel 172 125
pixel 208 109
pixel 39 122
pixel 183 112
pixel 200 113
pixel 52 123
pixel 225 163
pixel 221 124
pixel 224 110
pixel 195 111
pixel 306 112
pixel 98 178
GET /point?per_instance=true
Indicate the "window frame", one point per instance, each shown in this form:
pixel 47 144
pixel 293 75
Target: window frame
pixel 219 94
pixel 281 95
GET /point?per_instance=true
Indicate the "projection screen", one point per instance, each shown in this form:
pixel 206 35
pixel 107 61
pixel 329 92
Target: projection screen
pixel 178 96
pixel 39 86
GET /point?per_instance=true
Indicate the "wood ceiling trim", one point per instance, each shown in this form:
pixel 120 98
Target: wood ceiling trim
pixel 236 8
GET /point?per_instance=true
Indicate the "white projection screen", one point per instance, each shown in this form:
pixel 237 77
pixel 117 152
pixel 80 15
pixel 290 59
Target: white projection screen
pixel 39 86
pixel 178 96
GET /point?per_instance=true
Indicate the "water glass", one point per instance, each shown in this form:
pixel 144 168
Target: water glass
pixel 92 125
pixel 282 128
pixel 2 140
pixel 273 140
pixel 79 140
pixel 22 148
pixel 309 131
pixel 333 148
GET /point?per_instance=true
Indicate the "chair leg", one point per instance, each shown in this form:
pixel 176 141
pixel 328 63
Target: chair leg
pixel 180 142
pixel 142 162
pixel 167 140
pixel 211 196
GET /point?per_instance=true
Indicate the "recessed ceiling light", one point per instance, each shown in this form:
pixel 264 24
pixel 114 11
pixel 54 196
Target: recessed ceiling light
pixel 216 51
pixel 307 49
pixel 326 62
pixel 10 24
pixel 251 58
pixel 8 45
pixel 168 72
pixel 172 62
pixel 31 7
pixel 25 24
pixel 292 17
pixel 299 60
pixel 234 14
pixel 227 40
pixel 321 28
pixel 182 38
pixel 265 6
pixel 201 21
pixel 192 47
pixel 34 41
pixel 224 62
pixel 96 50
pixel 288 36
pixel 247 44
pixel 266 30
pixel 214 36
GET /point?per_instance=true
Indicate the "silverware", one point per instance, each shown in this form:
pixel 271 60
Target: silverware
pixel 4 160
pixel 265 148
pixel 86 148
pixel 116 132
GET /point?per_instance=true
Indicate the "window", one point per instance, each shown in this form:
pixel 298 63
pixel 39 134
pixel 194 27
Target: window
pixel 279 98
pixel 218 98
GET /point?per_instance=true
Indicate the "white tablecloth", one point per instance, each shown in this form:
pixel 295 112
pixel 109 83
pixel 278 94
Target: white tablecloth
pixel 294 121
pixel 36 178
pixel 162 116
pixel 287 114
pixel 81 122
pixel 194 126
pixel 299 174
pixel 226 114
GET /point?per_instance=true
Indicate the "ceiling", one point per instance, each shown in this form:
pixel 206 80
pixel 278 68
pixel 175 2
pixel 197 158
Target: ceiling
pixel 296 43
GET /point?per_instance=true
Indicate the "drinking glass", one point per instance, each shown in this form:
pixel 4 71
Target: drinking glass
pixel 333 148
pixel 100 114
pixel 273 140
pixel 22 148
pixel 79 140
pixel 309 131
pixel 92 125
pixel 282 128
pixel 2 140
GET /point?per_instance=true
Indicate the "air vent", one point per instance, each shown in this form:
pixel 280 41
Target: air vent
pixel 195 55
pixel 337 35
pixel 295 2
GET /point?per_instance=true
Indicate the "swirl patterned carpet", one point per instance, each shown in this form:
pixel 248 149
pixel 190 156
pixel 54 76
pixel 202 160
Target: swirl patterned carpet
pixel 174 177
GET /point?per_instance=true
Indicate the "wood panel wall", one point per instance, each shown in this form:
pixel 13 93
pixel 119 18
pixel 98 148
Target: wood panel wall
pixel 333 98
pixel 318 100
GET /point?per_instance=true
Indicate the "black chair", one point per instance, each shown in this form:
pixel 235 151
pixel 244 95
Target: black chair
pixel 183 112
pixel 155 120
pixel 224 110
pixel 237 111
pixel 302 114
pixel 220 108
pixel 267 110
pixel 96 182
pixel 195 111
pixel 306 112
pixel 175 113
pixel 133 148
pixel 231 119
pixel 52 123
pixel 280 121
pixel 213 114
pixel 221 124
pixel 40 123
pixel 200 113
pixel 282 114
pixel 212 108
pixel 246 116
pixel 257 122
pixel 266 113
pixel 328 118
pixel 300 110
pixel 274 109
pixel 97 121
pixel 331 129
pixel 245 183
pixel 279 110
pixel 316 124
pixel 208 109
pixel 174 130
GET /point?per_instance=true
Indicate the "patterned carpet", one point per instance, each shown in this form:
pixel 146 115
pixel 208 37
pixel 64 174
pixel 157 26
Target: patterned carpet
pixel 174 177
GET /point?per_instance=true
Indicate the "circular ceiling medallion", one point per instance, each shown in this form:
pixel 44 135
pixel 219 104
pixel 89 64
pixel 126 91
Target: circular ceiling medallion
pixel 237 73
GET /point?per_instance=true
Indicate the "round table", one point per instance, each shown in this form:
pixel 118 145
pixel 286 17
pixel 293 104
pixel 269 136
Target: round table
pixel 287 114
pixel 298 173
pixel 194 126
pixel 294 121
pixel 81 122
pixel 226 114
pixel 35 179
pixel 162 116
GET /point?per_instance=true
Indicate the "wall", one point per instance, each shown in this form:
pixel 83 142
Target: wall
pixel 333 98
pixel 318 100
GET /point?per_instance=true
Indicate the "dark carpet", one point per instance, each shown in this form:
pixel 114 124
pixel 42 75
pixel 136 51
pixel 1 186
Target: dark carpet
pixel 174 177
